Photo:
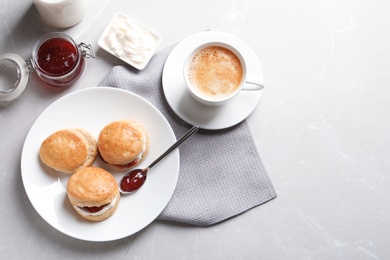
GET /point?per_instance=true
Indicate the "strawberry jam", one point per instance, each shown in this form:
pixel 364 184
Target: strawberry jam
pixel 57 60
pixel 133 180
pixel 93 209
pixel 57 56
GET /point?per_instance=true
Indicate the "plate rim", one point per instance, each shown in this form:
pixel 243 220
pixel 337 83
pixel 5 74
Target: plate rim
pixel 61 99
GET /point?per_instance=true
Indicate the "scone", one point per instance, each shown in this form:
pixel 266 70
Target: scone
pixel 69 150
pixel 123 143
pixel 93 193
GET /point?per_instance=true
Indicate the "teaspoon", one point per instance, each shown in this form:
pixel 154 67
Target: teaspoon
pixel 134 179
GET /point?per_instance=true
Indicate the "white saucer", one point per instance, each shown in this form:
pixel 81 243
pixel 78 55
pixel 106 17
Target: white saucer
pixel 190 110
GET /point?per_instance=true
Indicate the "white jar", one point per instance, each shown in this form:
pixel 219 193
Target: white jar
pixel 61 13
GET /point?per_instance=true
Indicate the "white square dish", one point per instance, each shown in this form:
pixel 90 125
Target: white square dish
pixel 129 41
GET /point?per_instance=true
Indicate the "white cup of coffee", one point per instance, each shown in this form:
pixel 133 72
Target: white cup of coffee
pixel 216 72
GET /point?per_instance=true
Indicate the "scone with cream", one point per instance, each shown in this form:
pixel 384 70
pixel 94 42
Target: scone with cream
pixel 69 150
pixel 123 143
pixel 93 193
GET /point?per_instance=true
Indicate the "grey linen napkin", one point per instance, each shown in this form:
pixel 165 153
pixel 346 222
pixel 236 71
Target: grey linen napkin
pixel 221 172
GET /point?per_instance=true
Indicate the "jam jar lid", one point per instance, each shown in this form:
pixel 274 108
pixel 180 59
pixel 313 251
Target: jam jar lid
pixel 14 76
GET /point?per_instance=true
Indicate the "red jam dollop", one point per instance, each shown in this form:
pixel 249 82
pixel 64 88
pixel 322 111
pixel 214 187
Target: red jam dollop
pixel 121 166
pixel 93 209
pixel 124 166
pixel 133 180
pixel 57 56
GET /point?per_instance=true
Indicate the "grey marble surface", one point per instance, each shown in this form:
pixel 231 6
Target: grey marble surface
pixel 322 129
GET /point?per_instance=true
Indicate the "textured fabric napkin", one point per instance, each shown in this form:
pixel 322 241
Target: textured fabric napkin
pixel 221 173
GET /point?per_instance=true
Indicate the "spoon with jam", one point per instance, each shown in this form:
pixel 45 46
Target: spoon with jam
pixel 134 179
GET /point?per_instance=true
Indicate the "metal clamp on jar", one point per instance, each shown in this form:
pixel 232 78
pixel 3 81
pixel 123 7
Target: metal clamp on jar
pixel 56 58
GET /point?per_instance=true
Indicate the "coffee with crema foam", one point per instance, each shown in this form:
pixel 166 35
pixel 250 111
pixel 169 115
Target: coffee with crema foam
pixel 215 72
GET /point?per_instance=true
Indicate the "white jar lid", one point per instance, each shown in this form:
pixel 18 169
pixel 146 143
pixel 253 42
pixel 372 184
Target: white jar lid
pixel 14 76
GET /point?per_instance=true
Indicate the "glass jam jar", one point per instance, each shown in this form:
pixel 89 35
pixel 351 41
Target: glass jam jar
pixel 56 59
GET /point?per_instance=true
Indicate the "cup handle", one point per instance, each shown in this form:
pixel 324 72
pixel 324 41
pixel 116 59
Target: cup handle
pixel 253 83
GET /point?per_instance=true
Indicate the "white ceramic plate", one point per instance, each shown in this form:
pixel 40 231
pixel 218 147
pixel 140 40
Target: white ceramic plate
pixel 92 109
pixel 119 18
pixel 190 110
